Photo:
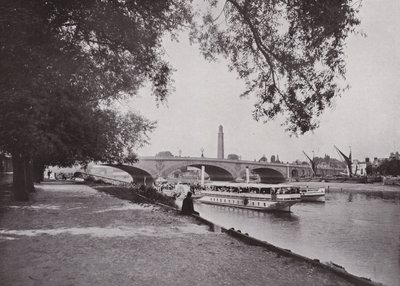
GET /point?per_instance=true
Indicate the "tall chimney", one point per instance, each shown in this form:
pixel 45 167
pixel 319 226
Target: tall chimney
pixel 220 154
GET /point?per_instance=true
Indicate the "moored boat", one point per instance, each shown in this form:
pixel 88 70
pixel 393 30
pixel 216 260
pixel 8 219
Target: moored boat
pixel 308 195
pixel 262 197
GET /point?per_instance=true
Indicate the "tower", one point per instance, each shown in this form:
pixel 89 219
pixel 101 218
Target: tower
pixel 220 154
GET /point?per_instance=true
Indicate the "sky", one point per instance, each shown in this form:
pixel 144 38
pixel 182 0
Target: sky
pixel 365 119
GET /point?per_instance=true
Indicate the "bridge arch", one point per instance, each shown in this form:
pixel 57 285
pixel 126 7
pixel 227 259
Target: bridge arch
pixel 139 175
pixel 214 171
pixel 269 176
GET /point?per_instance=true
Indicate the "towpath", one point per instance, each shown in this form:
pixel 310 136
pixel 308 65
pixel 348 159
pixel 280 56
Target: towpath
pixel 74 235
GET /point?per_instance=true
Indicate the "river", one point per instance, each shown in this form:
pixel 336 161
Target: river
pixel 359 231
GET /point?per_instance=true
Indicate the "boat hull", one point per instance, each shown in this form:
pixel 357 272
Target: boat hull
pixel 313 196
pixel 258 204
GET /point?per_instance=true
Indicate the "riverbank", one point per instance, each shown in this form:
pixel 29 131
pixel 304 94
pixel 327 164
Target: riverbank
pixel 74 235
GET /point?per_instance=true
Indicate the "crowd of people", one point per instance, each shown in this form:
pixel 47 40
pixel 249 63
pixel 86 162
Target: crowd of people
pixel 180 190
pixel 58 176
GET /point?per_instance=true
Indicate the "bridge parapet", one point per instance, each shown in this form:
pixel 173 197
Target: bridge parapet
pixel 226 161
pixel 218 169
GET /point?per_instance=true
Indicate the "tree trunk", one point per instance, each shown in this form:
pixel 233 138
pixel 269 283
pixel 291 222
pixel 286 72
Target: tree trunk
pixel 19 178
pixel 28 165
pixel 38 172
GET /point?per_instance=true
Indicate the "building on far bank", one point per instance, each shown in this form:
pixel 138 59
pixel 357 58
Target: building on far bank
pixel 360 168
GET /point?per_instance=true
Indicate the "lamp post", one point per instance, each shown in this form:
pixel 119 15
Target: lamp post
pixel 202 152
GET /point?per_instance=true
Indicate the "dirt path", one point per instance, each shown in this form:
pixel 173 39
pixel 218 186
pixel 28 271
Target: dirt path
pixel 74 235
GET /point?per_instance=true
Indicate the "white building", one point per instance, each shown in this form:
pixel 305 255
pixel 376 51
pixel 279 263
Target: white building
pixel 359 168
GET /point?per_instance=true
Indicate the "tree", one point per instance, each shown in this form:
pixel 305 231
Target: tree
pixel 370 170
pixel 63 62
pixel 389 167
pixel 118 136
pixel 263 159
pixel 233 157
pixel 290 53
pixel 164 154
pixel 104 135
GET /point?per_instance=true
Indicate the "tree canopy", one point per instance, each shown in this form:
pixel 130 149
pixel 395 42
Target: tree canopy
pixel 64 62
pixel 389 167
pixel 290 53
pixel 62 65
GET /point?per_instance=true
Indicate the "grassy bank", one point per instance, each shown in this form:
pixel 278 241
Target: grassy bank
pixel 135 195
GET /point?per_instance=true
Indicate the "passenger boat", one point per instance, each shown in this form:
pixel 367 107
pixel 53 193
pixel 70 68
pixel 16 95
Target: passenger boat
pixel 262 197
pixel 308 195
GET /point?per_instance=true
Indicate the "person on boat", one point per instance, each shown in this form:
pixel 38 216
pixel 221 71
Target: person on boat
pixel 193 189
pixel 187 205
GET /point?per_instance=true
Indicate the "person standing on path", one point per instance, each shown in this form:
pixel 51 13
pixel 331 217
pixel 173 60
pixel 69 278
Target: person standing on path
pixel 187 205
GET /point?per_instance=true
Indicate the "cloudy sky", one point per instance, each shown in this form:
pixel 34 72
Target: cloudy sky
pixel 206 95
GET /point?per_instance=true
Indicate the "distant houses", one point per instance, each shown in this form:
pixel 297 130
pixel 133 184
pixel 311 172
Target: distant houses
pixel 360 168
pixel 379 166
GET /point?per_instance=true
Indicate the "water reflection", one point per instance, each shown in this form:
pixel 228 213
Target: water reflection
pixel 239 213
pixel 359 231
pixel 393 195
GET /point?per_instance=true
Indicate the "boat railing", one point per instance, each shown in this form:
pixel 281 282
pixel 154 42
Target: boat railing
pixel 254 195
pixel 288 196
pixel 308 190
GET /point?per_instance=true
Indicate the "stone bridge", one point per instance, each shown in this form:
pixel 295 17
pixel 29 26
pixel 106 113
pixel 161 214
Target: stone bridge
pixel 148 169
